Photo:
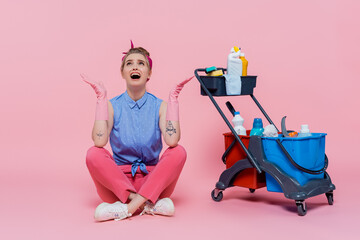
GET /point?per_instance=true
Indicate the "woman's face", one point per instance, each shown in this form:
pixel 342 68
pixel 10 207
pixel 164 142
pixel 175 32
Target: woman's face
pixel 136 71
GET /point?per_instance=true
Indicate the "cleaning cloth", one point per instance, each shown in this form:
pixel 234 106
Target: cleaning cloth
pixel 270 131
pixel 232 84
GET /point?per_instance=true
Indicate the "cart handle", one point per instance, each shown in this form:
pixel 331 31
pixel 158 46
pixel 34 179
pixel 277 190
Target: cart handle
pixel 248 153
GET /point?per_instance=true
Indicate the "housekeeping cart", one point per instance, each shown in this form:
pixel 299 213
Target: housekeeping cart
pixel 294 166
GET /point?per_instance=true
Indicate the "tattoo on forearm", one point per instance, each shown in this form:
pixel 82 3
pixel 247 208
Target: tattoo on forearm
pixel 99 134
pixel 170 128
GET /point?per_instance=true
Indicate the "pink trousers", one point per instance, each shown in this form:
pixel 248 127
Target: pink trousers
pixel 114 182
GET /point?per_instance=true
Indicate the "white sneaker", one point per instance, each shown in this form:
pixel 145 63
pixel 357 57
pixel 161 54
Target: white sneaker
pixel 108 211
pixel 163 206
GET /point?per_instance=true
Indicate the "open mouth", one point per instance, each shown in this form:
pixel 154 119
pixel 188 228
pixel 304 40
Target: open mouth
pixel 135 76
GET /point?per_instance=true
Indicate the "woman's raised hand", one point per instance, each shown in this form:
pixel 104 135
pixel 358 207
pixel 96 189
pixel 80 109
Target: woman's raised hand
pixel 172 112
pixel 99 87
pixel 175 92
pixel 102 102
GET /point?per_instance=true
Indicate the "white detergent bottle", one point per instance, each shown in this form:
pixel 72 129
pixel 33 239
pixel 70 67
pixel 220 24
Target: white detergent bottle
pixel 234 63
pixel 304 131
pixel 238 122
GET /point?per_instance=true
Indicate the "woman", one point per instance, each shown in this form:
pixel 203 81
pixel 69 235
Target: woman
pixel 134 177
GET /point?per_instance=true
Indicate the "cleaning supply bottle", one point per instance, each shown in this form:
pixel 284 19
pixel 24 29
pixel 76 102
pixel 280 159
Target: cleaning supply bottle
pixel 304 131
pixel 234 63
pixel 257 129
pixel 238 122
pixel 244 64
pixel 293 134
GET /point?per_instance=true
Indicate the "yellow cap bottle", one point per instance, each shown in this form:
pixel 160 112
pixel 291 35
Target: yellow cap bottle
pixel 244 64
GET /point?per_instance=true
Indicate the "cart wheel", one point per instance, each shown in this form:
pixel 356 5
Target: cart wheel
pixel 330 197
pixel 251 190
pixel 217 198
pixel 301 207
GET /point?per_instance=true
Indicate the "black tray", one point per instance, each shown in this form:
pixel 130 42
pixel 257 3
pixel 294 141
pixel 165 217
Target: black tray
pixel 216 85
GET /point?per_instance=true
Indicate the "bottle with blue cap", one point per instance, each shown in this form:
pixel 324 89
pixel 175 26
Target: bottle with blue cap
pixel 238 122
pixel 257 129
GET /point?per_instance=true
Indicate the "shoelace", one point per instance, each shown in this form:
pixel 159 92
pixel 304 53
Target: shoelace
pixel 148 209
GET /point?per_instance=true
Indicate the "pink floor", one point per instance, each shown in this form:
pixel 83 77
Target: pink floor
pixel 48 204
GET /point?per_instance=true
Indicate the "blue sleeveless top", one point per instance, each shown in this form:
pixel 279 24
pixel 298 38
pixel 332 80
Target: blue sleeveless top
pixel 136 137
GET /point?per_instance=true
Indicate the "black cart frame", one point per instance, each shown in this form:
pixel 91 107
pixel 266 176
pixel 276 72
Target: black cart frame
pixel 256 157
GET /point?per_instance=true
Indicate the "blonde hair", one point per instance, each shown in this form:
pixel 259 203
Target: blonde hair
pixel 140 50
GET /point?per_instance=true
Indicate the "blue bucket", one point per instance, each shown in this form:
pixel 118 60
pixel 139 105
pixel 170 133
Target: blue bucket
pixel 308 152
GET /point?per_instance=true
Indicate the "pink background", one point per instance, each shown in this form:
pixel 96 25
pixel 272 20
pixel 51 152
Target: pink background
pixel 305 54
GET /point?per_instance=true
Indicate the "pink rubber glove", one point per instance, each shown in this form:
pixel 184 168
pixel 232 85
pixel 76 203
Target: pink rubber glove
pixel 172 112
pixel 101 112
